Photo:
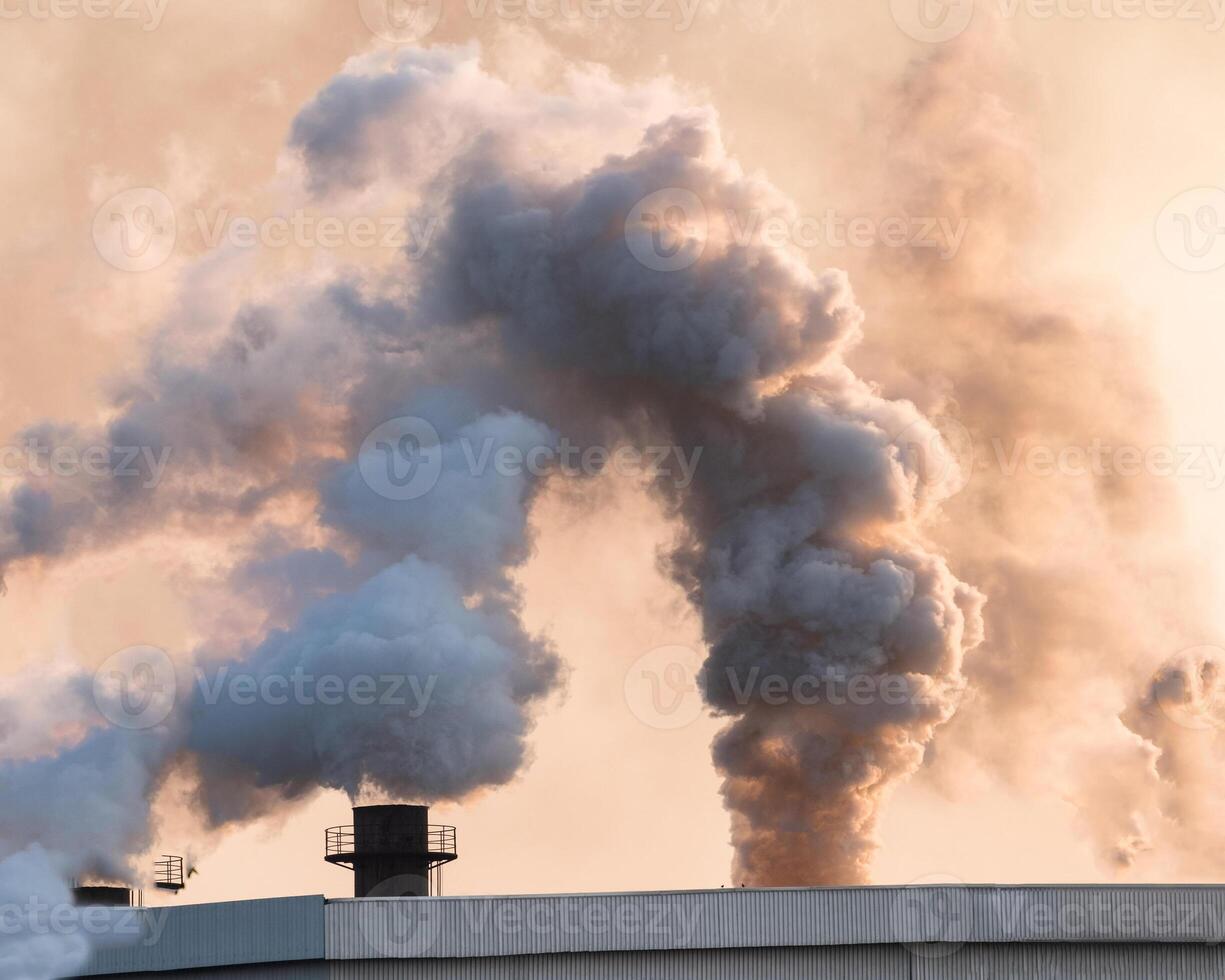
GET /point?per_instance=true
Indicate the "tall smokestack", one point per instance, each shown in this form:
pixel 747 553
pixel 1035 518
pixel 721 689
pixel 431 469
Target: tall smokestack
pixel 392 850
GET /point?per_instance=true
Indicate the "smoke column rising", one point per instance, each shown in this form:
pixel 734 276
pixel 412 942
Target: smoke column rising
pixel 1093 580
pixel 532 318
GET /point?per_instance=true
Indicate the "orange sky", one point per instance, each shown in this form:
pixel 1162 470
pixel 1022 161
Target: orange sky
pixel 200 106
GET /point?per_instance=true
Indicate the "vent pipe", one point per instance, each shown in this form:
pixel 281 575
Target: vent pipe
pixel 108 895
pixel 393 850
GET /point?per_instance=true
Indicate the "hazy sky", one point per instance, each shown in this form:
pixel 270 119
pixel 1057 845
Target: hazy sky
pixel 197 98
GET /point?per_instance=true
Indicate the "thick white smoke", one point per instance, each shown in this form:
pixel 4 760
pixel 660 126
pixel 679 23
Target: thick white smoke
pixel 39 939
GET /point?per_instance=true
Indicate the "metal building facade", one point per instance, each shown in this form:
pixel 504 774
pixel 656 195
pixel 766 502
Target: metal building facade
pixel 876 933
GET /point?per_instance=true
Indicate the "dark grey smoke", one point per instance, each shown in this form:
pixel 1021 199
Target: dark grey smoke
pixel 534 318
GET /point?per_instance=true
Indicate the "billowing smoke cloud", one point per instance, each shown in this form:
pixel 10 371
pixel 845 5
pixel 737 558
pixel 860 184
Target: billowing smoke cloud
pixel 802 551
pixel 538 314
pixel 1088 567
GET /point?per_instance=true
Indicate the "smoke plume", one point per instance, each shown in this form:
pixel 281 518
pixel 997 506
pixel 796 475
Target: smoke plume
pixel 554 302
pixel 1088 566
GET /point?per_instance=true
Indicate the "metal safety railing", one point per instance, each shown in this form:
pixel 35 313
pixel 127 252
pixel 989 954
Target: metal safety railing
pixel 344 841
pixel 168 872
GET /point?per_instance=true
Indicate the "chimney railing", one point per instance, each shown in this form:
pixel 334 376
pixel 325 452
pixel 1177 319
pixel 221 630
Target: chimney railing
pixel 341 842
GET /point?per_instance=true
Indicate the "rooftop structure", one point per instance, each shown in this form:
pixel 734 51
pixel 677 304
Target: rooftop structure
pixel 878 933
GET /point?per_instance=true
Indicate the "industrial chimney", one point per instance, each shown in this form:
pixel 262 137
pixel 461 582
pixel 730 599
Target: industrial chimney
pixel 392 850
pixel 109 895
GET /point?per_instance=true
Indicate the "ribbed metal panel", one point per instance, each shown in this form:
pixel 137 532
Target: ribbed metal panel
pixel 429 930
pixel 827 963
pixel 224 934
pixel 734 918
pixel 1075 961
pixel 314 970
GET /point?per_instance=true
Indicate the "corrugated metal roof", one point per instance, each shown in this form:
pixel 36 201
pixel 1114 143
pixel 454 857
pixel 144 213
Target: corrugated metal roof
pixel 742 917
pixel 223 934
pixel 992 961
pixel 784 963
pixel 894 919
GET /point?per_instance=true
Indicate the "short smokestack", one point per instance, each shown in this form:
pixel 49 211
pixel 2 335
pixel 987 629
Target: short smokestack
pixel 108 895
pixel 393 851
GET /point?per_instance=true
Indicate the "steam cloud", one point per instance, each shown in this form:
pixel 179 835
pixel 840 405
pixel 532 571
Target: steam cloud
pixel 31 887
pixel 531 319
